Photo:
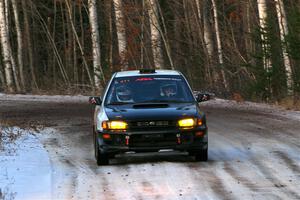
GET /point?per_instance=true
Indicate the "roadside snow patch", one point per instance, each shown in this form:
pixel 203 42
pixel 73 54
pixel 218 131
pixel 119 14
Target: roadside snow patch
pixel 25 170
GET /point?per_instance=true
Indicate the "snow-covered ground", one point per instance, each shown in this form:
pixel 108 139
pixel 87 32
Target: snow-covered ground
pixel 25 170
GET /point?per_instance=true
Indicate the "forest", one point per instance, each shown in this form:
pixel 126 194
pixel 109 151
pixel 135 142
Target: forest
pixel 249 48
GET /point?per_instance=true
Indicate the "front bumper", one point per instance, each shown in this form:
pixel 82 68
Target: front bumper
pixel 147 140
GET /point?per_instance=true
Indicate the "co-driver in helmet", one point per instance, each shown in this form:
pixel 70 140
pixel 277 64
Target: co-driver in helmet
pixel 168 90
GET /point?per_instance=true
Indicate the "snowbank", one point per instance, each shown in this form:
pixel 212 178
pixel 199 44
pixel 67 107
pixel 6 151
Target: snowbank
pixel 25 170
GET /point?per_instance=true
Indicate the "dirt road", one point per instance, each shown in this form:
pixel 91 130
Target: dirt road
pixel 254 153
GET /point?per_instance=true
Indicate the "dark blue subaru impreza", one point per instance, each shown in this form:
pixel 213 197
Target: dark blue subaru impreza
pixel 147 111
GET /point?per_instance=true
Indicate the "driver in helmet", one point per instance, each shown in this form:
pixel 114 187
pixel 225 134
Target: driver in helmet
pixel 124 94
pixel 168 90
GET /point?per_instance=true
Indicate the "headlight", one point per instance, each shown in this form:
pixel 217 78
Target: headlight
pixel 114 125
pixel 186 123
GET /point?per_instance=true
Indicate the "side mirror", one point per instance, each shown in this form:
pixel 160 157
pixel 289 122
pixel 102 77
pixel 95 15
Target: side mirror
pixel 202 97
pixel 95 101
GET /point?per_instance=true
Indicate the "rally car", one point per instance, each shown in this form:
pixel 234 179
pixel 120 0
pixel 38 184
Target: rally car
pixel 146 111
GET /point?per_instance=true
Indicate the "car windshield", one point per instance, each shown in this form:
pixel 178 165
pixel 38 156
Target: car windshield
pixel 148 89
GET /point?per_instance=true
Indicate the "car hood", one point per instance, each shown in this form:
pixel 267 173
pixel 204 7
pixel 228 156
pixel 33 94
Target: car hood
pixel 170 111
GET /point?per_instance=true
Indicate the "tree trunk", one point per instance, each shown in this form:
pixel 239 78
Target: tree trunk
pixel 283 27
pixel 206 28
pixel 98 73
pixel 13 62
pixel 108 7
pixel 267 63
pixel 219 45
pixel 79 45
pixel 20 43
pixel 121 34
pixel 70 38
pixel 29 45
pixel 2 78
pixel 262 12
pixel 164 37
pixel 6 50
pixel 155 35
pixel 206 39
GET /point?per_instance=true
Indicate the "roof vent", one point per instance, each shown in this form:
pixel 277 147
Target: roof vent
pixel 147 71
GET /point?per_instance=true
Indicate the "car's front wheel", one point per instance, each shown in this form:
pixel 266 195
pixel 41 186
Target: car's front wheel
pixel 101 158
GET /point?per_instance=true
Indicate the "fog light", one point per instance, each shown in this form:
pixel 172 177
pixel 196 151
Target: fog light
pixel 199 134
pixel 106 136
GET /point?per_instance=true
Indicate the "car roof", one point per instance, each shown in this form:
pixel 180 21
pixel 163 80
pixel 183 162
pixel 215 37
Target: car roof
pixel 137 73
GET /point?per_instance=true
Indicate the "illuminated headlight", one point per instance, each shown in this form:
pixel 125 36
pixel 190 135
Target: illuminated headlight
pixel 186 123
pixel 114 125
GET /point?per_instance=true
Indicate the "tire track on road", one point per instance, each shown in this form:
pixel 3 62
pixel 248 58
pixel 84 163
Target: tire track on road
pixel 292 165
pixel 275 182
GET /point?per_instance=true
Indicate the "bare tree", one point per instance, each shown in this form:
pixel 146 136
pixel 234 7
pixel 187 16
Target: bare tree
pixel 108 6
pixel 206 28
pixel 283 27
pixel 155 35
pixel 164 36
pixel 28 42
pixel 6 49
pixel 262 13
pixel 20 43
pixel 79 44
pixel 13 62
pixel 98 72
pixel 219 45
pixel 121 34
pixel 206 36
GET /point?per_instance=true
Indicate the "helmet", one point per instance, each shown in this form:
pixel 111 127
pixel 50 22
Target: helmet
pixel 124 94
pixel 168 90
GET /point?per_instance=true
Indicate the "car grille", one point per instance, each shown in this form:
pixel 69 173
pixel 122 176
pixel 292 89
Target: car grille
pixel 159 139
pixel 151 125
pixel 148 140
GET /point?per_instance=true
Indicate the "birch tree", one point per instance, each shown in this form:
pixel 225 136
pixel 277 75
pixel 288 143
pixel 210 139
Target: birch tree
pixel 20 43
pixel 262 13
pixel 206 36
pixel 155 35
pixel 283 27
pixel 96 43
pixel 6 49
pixel 206 30
pixel 121 34
pixel 219 45
pixel 267 62
pixel 13 62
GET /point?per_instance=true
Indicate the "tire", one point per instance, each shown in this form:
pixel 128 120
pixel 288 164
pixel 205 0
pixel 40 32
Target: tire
pixel 201 155
pixel 101 158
